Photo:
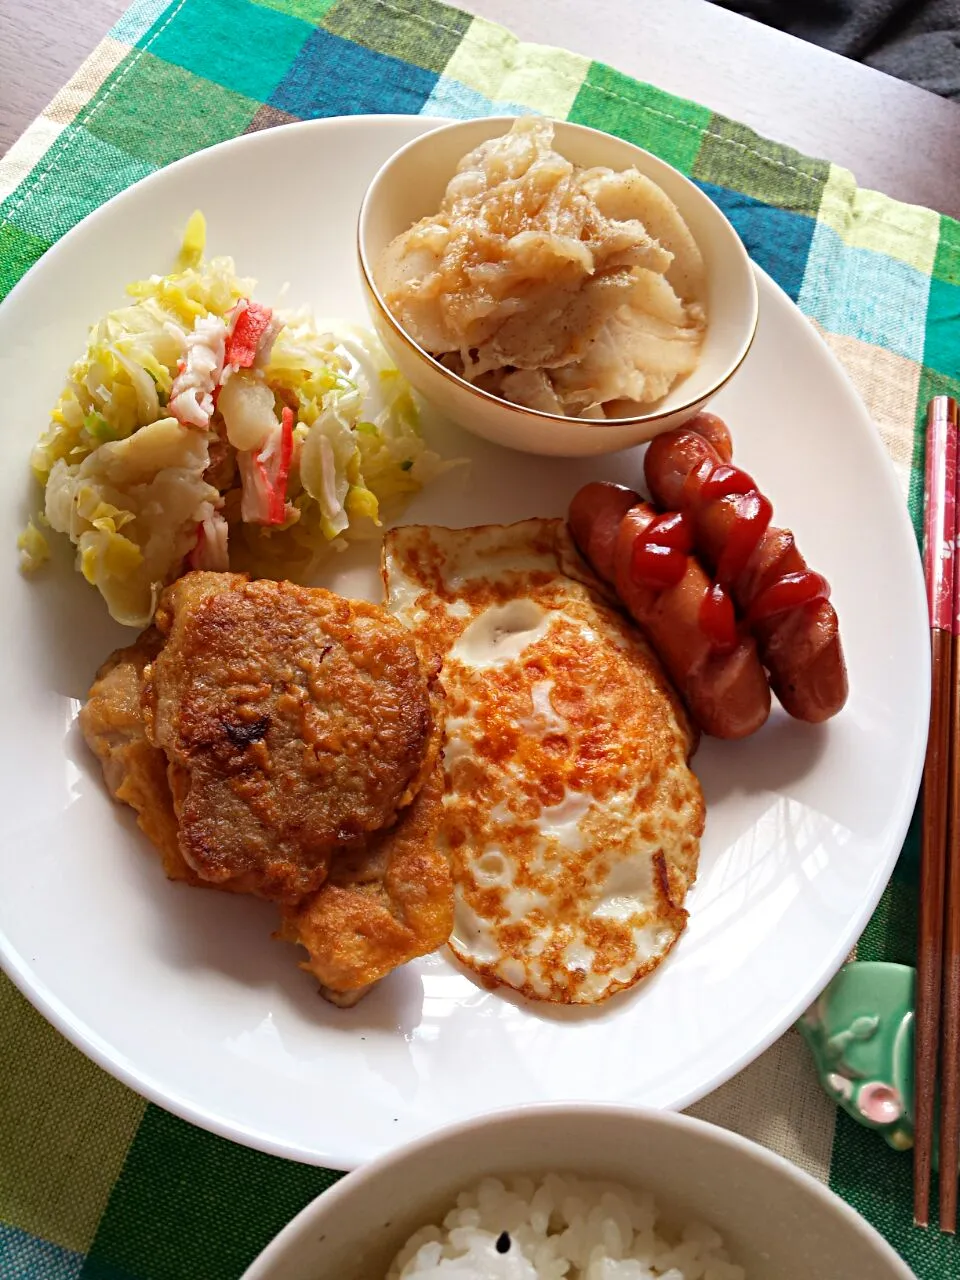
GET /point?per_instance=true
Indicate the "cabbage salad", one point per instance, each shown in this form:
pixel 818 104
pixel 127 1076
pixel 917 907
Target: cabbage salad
pixel 203 430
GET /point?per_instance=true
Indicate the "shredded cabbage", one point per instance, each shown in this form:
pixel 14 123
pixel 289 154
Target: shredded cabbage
pixel 33 547
pixel 359 454
pixel 132 508
pixel 142 481
pixel 124 377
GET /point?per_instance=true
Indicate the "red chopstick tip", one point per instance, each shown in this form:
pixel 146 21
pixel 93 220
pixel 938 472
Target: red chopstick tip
pixel 939 511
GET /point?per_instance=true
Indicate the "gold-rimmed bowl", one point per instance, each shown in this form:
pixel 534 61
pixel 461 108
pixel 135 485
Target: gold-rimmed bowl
pixel 411 184
pixel 776 1221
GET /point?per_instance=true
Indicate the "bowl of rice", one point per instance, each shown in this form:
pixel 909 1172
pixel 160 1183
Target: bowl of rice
pixel 579 1192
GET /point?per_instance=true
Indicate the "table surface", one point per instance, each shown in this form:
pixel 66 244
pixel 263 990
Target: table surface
pixel 896 138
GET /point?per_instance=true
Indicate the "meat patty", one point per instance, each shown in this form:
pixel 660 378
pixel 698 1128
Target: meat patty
pixel 294 721
pixel 382 904
pixel 134 770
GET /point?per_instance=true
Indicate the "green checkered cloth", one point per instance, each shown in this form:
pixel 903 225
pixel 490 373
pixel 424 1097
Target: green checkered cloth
pixel 96 1183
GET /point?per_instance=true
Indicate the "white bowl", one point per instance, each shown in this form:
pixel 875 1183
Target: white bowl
pixel 776 1221
pixel 411 185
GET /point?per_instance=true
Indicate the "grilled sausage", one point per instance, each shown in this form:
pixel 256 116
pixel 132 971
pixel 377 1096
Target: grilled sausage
pixel 784 602
pixel 723 685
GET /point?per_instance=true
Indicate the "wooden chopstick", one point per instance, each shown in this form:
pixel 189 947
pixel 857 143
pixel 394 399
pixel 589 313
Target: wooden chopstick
pixel 950 1049
pixel 930 940
pixel 939 543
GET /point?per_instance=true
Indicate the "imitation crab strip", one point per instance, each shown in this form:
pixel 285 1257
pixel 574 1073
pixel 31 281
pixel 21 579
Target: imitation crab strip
pixel 265 473
pixel 198 373
pixel 249 328
pixel 210 551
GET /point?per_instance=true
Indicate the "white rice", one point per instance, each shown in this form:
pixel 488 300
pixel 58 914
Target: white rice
pixel 561 1228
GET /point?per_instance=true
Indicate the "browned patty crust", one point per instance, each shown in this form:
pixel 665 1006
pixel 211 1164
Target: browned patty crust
pixel 383 903
pixel 295 721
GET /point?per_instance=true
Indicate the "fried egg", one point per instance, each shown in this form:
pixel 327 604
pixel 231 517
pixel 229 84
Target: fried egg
pixel 571 816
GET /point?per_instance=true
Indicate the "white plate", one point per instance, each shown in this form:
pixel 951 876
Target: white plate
pixel 184 995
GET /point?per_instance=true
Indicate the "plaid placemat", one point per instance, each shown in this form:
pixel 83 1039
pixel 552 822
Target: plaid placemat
pixel 93 1181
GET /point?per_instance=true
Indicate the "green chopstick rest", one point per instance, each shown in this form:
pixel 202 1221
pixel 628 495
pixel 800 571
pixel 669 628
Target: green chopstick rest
pixel 860 1032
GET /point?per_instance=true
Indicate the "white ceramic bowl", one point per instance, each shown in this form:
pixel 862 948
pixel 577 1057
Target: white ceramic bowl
pixel 411 185
pixel 776 1221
